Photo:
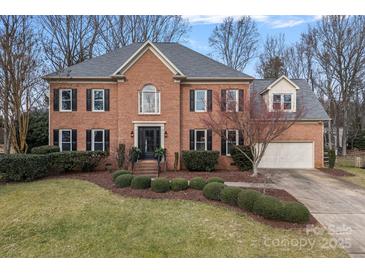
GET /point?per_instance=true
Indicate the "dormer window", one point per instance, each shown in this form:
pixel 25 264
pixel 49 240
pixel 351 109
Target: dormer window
pixel 149 100
pixel 282 102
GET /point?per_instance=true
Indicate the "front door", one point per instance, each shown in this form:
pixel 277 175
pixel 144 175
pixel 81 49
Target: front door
pixel 149 138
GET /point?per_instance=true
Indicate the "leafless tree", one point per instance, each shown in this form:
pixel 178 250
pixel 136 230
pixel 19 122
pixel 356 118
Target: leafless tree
pixel 340 45
pixel 271 62
pixel 19 77
pixel 68 40
pixel 123 30
pixel 259 125
pixel 235 41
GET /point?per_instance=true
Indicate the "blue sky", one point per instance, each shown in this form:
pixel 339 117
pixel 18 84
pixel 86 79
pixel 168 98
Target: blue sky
pixel 291 26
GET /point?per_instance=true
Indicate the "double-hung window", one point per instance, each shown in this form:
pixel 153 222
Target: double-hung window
pixel 98 100
pixel 65 139
pixel 149 100
pixel 200 139
pixel 232 137
pixel 232 100
pixel 282 102
pixel 200 100
pixel 66 99
pixel 98 139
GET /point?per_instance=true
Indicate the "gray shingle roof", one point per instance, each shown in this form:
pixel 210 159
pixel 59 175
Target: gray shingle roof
pixel 189 62
pixel 306 99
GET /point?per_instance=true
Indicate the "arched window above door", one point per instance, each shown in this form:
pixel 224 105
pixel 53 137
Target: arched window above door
pixel 149 100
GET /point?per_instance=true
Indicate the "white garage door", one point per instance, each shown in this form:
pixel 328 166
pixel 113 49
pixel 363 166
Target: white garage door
pixel 288 155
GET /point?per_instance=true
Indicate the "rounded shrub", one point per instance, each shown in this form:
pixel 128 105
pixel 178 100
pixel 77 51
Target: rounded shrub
pixel 215 179
pixel 197 183
pixel 295 212
pixel 212 190
pixel 160 185
pixel 123 180
pixel 247 198
pixel 229 195
pixel 178 184
pixel 45 149
pixel 141 182
pixel 116 173
pixel 268 207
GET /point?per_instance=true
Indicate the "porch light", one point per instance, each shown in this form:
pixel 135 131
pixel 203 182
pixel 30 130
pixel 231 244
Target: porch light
pixel 132 134
pixel 165 134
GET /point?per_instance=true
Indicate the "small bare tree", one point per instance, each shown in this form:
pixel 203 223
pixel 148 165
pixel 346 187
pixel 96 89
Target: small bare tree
pixel 258 124
pixel 234 42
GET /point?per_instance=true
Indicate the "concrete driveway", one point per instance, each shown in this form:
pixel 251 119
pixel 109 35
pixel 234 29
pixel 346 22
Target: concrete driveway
pixel 336 204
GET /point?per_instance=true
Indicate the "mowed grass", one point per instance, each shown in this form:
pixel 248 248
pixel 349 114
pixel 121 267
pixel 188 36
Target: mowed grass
pixel 73 218
pixel 348 165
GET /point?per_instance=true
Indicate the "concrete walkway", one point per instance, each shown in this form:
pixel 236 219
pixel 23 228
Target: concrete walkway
pixel 336 204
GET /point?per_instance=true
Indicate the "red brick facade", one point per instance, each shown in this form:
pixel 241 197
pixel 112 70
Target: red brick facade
pixel 175 114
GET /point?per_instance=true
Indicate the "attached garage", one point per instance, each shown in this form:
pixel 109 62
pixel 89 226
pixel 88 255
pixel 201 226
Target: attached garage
pixel 288 155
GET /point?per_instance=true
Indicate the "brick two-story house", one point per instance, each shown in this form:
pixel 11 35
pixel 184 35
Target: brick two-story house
pixel 155 94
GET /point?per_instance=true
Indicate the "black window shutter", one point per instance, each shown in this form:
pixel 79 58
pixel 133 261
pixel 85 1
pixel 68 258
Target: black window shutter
pixel 88 139
pixel 209 139
pixel 192 100
pixel 56 137
pixel 106 99
pixel 240 100
pixel 223 143
pixel 56 99
pixel 88 99
pixel 106 139
pixel 223 100
pixel 74 140
pixel 240 138
pixel 209 99
pixel 74 99
pixel 192 139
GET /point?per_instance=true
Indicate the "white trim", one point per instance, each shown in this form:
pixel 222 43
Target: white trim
pixel 131 60
pixel 282 94
pixel 237 140
pixel 60 138
pixel 138 124
pixel 214 83
pixel 277 81
pixel 60 100
pixel 93 98
pixel 205 100
pixel 205 137
pixel 157 99
pixel 93 138
pixel 237 99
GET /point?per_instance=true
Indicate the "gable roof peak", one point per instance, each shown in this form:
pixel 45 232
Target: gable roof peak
pixel 274 83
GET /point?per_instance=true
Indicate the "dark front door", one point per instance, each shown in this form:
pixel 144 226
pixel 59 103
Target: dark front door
pixel 149 138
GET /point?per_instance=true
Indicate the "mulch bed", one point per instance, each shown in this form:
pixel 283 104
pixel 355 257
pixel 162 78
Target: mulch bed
pixel 228 176
pixel 104 179
pixel 336 172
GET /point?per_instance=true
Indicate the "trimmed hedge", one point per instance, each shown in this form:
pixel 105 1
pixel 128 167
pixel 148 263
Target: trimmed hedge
pixel 76 160
pixel 212 190
pixel 23 167
pixel 215 179
pixel 295 212
pixel 268 207
pixel 239 159
pixel 141 182
pixel 197 183
pixel 200 160
pixel 119 172
pixel 45 149
pixel 160 185
pixel 229 195
pixel 124 180
pixel 247 198
pixel 179 184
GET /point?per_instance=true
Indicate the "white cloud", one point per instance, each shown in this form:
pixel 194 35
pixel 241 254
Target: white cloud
pixel 278 22
pixel 206 19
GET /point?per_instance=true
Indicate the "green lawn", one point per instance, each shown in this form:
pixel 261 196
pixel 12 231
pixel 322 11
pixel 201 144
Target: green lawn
pixel 71 218
pixel 348 165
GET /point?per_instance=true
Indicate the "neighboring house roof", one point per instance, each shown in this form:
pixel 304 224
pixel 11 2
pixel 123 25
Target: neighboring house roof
pixel 283 77
pixel 187 61
pixel 306 99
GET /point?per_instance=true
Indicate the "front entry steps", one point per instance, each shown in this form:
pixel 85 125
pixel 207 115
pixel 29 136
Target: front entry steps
pixel 146 168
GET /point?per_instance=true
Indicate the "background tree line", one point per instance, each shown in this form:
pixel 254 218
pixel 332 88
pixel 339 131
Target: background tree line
pixel 330 55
